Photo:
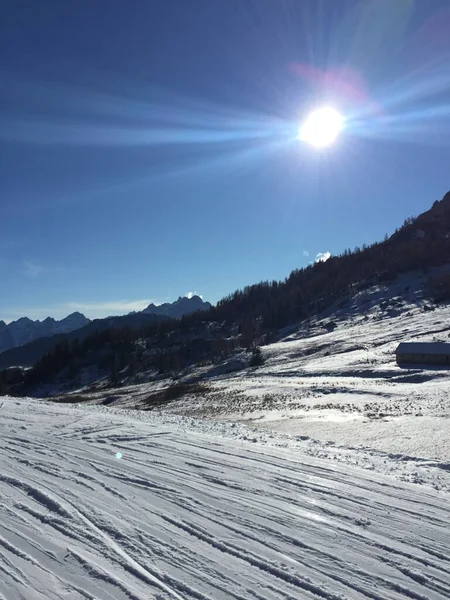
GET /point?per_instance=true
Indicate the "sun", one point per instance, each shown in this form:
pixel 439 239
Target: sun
pixel 322 127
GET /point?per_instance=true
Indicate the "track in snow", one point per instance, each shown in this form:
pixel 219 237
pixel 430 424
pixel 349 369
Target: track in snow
pixel 184 515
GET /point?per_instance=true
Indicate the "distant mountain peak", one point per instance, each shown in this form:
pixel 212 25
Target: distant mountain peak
pixel 446 198
pixel 75 317
pixel 183 306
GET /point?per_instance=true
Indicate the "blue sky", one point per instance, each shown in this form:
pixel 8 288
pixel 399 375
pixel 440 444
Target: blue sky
pixel 149 149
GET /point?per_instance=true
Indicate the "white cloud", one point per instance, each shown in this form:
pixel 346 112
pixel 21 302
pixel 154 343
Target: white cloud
pixel 32 269
pixel 305 253
pixel 190 294
pixel 322 256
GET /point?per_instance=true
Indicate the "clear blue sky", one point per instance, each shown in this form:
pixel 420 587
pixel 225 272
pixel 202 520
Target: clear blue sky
pixel 148 148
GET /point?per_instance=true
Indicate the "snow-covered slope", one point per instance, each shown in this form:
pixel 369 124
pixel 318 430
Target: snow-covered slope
pixel 183 514
pixel 344 385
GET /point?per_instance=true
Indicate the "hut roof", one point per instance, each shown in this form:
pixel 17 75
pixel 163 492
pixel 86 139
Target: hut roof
pixel 423 348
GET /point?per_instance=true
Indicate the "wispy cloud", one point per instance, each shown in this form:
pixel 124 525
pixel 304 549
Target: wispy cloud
pixel 191 294
pixel 92 310
pixel 305 253
pixel 32 269
pixel 322 256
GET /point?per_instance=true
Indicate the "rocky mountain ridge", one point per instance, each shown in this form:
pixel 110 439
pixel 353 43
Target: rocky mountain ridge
pixel 25 330
pixel 183 306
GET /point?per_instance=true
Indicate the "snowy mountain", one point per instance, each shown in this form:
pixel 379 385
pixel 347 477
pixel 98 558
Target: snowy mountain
pixel 105 504
pixel 182 306
pixel 24 330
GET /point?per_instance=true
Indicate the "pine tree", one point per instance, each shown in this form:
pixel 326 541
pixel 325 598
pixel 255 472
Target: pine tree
pixel 256 359
pixel 114 378
pixel 3 386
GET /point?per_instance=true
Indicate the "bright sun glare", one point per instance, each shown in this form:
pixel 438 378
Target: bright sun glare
pixel 322 127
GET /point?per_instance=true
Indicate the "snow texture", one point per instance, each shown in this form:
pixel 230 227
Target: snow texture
pixel 192 510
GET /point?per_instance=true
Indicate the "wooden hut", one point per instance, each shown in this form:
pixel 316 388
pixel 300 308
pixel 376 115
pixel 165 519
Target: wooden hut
pixel 423 353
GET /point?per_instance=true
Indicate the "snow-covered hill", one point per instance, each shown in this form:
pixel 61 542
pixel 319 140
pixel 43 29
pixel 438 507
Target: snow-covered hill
pixel 338 385
pixel 186 514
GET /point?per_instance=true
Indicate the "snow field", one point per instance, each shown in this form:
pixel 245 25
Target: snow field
pixel 186 514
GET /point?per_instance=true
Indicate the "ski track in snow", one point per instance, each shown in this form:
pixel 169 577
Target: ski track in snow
pixel 184 515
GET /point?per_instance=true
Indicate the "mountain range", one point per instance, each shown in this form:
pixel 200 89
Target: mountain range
pixel 25 331
pixel 420 245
